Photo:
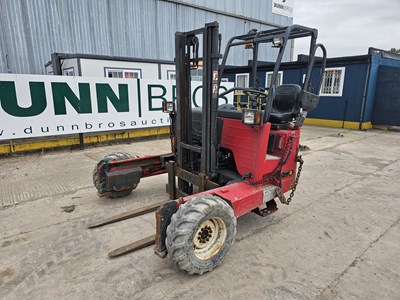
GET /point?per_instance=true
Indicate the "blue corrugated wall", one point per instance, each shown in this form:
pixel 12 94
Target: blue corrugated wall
pixel 376 61
pixel 344 108
pixel 349 106
pixel 386 110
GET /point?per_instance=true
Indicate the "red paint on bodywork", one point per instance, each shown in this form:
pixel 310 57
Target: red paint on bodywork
pixel 242 196
pixel 150 164
pixel 249 147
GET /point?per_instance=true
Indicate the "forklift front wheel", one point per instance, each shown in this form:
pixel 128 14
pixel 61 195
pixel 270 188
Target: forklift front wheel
pixel 200 234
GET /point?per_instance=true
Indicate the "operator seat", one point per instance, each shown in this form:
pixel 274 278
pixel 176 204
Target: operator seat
pixel 286 105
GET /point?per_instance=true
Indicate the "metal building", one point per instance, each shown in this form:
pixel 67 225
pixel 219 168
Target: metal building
pixel 30 31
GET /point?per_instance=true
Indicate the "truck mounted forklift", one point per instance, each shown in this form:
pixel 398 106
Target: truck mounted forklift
pixel 224 162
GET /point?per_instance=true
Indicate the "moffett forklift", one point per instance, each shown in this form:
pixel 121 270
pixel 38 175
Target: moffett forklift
pixel 224 162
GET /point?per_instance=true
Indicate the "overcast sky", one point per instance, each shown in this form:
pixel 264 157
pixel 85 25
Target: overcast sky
pixel 349 27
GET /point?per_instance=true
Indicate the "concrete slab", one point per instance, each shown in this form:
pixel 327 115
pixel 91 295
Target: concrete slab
pixel 57 173
pixel 337 240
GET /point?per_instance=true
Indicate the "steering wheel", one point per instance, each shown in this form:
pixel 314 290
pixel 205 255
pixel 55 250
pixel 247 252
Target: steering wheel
pixel 254 94
pixel 247 91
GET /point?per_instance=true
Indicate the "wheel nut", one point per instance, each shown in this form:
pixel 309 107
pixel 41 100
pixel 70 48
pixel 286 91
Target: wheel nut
pixel 207 239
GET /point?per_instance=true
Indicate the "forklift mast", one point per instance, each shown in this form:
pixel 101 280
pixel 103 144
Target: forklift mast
pixel 187 47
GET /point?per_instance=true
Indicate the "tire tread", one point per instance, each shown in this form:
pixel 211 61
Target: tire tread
pixel 185 221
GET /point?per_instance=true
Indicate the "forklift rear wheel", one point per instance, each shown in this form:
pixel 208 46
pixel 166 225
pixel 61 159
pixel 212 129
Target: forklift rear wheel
pixel 112 157
pixel 200 234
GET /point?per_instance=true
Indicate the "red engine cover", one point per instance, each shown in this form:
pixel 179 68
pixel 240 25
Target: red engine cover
pixel 249 147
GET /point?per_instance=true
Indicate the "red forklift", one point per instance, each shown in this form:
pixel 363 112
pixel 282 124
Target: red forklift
pixel 226 160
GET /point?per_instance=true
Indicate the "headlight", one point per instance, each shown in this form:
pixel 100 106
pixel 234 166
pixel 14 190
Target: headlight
pixel 277 41
pixel 168 107
pixel 252 117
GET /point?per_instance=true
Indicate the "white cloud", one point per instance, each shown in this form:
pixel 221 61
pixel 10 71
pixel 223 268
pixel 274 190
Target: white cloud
pixel 349 27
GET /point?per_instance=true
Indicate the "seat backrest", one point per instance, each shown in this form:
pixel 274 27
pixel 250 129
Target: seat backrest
pixel 286 104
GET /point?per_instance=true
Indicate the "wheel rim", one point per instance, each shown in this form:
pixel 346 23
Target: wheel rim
pixel 209 238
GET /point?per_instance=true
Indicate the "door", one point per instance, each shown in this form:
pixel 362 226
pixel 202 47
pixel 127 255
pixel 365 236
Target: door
pixel 387 97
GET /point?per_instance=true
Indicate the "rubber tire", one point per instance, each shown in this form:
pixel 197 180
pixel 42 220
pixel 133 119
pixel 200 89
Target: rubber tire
pixel 112 157
pixel 184 225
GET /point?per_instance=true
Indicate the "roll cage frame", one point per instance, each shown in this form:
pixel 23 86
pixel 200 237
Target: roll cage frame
pixel 268 36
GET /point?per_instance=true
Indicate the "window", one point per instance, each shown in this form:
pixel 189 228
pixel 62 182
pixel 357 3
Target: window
pixel 268 79
pixel 242 80
pixel 171 75
pixel 69 72
pixel 123 73
pixel 196 74
pixel 332 84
